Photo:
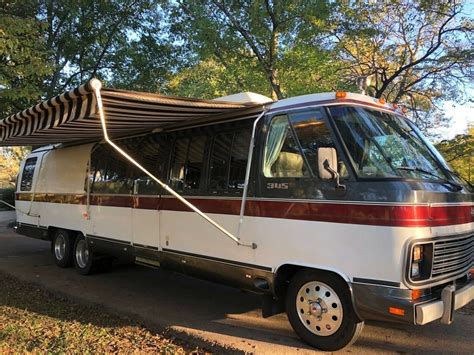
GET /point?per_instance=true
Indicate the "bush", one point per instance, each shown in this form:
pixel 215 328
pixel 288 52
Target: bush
pixel 7 195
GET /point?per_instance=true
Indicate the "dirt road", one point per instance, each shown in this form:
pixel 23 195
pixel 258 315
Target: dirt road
pixel 203 310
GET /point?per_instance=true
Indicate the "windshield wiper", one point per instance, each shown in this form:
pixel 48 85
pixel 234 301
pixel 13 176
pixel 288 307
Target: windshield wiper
pixel 421 170
pixel 459 176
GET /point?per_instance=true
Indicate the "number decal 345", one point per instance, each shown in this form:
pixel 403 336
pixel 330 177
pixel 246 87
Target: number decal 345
pixel 277 185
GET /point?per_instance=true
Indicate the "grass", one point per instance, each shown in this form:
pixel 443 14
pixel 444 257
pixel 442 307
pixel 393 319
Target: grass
pixel 37 321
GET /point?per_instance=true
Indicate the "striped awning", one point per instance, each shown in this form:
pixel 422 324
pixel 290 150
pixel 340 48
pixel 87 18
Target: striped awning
pixel 73 116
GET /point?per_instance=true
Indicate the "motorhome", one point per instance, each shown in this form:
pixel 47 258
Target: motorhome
pixel 333 206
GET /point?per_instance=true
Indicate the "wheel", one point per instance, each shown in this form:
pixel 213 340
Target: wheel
pixel 320 310
pixel 62 248
pixel 83 256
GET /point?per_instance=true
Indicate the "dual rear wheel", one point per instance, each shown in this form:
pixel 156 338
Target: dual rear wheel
pixel 72 249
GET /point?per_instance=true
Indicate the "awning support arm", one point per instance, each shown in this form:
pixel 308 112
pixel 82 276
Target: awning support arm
pixel 247 173
pixel 97 86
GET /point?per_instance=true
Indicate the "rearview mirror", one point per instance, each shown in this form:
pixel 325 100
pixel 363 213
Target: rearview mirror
pixel 327 165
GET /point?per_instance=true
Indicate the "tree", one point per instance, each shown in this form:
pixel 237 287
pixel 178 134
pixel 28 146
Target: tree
pixel 416 52
pixel 459 153
pixel 23 56
pixel 10 159
pixel 250 32
pixel 104 39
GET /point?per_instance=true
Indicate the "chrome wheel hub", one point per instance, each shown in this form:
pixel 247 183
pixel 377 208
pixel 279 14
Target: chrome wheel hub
pixel 82 253
pixel 319 308
pixel 60 247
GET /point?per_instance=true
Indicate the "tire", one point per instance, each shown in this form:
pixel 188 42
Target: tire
pixel 62 246
pixel 319 309
pixel 83 256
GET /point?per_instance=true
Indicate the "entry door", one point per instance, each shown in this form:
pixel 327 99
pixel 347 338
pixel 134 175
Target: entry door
pixel 145 217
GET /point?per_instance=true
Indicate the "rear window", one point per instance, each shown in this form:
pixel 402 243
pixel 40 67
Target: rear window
pixel 27 175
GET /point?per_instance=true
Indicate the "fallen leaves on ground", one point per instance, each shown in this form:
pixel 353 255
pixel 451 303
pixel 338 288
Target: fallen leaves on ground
pixel 35 320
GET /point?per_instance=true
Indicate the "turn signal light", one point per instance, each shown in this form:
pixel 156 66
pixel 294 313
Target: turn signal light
pixel 415 294
pixel 396 311
pixel 341 94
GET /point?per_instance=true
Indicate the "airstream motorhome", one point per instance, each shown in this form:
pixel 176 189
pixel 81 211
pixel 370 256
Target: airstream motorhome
pixel 333 206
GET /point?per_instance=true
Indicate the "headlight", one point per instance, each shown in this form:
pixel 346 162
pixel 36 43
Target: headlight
pixel 421 256
pixel 417 253
pixel 415 270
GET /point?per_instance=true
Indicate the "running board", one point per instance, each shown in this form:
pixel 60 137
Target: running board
pixel 147 262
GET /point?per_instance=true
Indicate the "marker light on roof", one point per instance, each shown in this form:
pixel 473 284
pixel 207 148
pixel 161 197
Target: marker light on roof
pixel 395 106
pixel 341 94
pixel 404 109
pixel 382 101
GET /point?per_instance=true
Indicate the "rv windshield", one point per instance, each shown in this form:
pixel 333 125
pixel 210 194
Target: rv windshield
pixel 381 145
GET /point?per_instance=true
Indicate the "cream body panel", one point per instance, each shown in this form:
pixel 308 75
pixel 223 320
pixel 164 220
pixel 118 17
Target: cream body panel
pixel 146 227
pixel 112 222
pixel 64 170
pixel 372 252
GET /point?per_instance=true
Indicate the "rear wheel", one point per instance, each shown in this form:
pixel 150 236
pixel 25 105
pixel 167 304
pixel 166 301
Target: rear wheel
pixel 320 311
pixel 83 256
pixel 62 246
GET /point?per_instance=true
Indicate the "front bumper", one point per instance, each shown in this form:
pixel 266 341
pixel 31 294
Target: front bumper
pixel 373 302
pixel 451 300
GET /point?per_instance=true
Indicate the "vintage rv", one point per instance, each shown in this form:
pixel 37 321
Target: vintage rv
pixel 333 206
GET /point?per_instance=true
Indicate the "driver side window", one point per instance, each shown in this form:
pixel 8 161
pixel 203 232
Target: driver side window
pixel 283 157
pixel 292 145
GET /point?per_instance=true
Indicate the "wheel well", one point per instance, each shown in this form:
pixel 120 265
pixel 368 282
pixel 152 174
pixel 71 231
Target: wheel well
pixel 286 272
pixel 72 233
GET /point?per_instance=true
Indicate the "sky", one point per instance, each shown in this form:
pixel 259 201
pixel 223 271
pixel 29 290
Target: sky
pixel 461 117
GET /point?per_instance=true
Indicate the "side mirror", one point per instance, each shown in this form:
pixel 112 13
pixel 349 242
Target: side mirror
pixel 327 165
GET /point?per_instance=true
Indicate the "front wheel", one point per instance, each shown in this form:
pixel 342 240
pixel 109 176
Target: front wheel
pixel 320 310
pixel 83 256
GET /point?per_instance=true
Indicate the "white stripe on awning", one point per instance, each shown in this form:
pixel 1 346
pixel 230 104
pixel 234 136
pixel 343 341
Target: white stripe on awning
pixel 73 116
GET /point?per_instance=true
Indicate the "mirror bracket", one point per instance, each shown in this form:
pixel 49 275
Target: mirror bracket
pixel 335 174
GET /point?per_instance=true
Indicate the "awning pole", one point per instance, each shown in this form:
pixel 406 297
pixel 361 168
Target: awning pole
pixel 96 85
pixel 247 173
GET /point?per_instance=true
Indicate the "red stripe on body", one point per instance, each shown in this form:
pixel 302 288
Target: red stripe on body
pixel 351 213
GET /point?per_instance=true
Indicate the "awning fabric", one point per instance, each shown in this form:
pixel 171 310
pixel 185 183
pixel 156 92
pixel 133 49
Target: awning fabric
pixel 73 116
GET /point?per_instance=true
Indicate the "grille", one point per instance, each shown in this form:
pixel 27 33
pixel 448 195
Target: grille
pixel 452 256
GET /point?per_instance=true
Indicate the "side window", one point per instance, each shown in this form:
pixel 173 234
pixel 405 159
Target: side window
pixel 153 154
pixel 188 163
pixel 27 175
pixel 220 159
pixel 111 174
pixel 313 133
pixel 229 160
pixel 238 158
pixel 283 157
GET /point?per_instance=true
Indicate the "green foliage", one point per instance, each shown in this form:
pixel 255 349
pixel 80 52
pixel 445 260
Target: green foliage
pixel 23 56
pixel 416 52
pixel 255 34
pixel 459 153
